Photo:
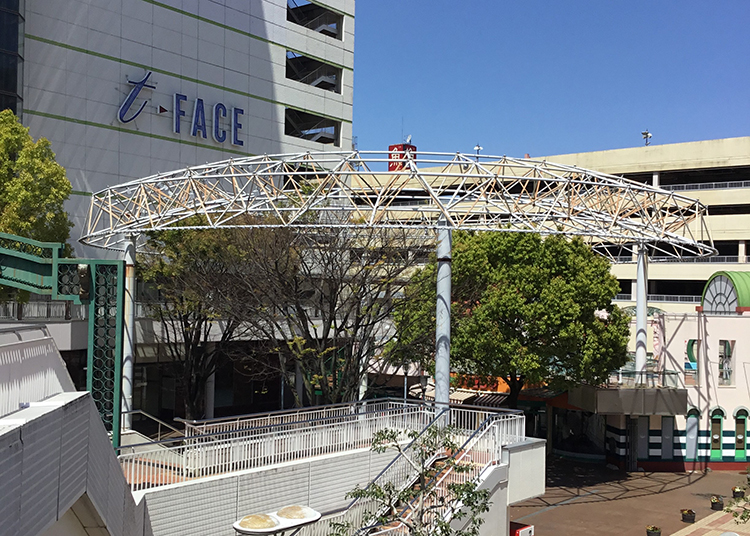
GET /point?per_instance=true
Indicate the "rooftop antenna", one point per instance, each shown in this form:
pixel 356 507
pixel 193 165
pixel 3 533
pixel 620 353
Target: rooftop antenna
pixel 646 136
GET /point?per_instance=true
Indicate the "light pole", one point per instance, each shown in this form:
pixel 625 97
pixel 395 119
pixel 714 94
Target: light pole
pixel 478 148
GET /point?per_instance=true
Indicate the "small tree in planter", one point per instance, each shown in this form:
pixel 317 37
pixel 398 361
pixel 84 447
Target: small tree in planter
pixel 653 530
pixel 717 502
pixel 738 492
pixel 688 515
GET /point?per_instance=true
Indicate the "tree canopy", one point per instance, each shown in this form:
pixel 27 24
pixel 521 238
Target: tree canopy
pixel 531 310
pixel 33 186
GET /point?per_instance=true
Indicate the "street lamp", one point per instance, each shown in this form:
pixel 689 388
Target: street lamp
pixel 478 148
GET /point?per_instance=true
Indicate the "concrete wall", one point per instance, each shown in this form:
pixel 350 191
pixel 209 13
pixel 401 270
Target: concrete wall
pixel 52 454
pixel 526 469
pixel 31 369
pixel 210 505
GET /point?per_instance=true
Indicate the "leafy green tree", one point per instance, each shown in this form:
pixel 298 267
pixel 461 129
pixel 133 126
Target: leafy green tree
pixel 33 187
pixel 528 309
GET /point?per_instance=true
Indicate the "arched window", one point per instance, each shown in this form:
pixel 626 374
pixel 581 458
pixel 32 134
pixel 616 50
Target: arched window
pixel 691 433
pixel 740 434
pixel 717 418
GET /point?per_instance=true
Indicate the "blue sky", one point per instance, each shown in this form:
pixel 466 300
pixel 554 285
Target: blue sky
pixel 549 77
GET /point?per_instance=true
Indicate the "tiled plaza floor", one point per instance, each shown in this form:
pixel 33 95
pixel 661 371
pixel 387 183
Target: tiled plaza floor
pixel 591 499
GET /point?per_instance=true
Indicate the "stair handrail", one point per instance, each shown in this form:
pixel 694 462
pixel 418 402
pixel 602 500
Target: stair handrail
pixel 464 451
pixel 357 507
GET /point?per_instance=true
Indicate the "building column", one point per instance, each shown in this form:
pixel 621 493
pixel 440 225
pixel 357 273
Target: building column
pixel 443 318
pixel 210 396
pixel 641 312
pixel 655 179
pixel 742 251
pixel 128 343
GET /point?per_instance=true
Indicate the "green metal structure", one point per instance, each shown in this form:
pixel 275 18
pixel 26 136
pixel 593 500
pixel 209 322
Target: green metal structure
pixel 39 267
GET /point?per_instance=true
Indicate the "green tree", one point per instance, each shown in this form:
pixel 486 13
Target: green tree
pixel 525 308
pixel 33 187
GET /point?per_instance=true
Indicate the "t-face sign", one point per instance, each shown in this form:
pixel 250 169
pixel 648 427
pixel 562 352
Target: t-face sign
pixel 199 124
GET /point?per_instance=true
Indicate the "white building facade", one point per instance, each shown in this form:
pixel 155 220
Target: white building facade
pixel 125 89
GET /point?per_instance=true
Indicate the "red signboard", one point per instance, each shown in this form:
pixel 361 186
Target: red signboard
pixel 397 155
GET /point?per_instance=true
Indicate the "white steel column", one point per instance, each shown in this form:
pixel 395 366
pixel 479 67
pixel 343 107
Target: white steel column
pixel 128 342
pixel 443 318
pixel 742 251
pixel 211 395
pixel 655 179
pixel 641 311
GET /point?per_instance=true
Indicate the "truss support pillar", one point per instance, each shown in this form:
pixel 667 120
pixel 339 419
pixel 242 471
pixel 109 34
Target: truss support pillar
pixel 128 353
pixel 641 312
pixel 443 318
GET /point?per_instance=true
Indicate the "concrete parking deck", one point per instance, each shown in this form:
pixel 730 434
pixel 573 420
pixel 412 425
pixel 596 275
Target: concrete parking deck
pixel 591 499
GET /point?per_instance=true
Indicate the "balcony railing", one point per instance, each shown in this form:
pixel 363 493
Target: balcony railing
pixel 677 298
pixel 42 310
pixel 627 378
pixel 225 445
pixel 706 186
pixel 726 259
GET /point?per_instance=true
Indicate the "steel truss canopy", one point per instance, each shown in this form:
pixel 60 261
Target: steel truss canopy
pixel 404 191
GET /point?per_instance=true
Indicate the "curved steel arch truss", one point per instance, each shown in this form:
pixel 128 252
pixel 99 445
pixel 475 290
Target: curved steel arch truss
pixel 424 190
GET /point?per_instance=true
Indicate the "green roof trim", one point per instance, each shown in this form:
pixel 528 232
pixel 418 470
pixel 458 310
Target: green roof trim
pixel 741 283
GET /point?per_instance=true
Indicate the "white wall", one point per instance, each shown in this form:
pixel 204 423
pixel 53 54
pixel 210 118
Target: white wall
pixel 53 453
pixel 210 505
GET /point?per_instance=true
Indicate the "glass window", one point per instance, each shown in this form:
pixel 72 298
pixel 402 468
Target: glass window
pixel 8 73
pixel 691 361
pixel 8 31
pixel 726 362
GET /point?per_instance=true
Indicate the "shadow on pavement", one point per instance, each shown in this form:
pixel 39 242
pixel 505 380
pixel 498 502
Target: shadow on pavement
pixel 575 483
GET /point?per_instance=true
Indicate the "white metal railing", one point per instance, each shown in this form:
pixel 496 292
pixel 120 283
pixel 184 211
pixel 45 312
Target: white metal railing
pixel 726 259
pixel 42 310
pixel 706 186
pixel 197 456
pixel 661 298
pixel 224 445
pixel 400 473
pixel 482 447
pixel 240 425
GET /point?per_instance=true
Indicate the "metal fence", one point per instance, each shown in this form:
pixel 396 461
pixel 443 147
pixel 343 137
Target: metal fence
pixel 225 445
pixel 726 259
pixel 661 298
pixel 42 310
pixel 480 449
pixel 706 186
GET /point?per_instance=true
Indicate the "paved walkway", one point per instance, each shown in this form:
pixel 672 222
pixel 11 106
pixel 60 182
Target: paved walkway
pixel 715 525
pixel 591 499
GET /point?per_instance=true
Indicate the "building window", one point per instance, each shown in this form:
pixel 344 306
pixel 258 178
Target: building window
pixel 315 17
pixel 717 416
pixel 312 127
pixel 312 72
pixel 726 362
pixel 691 361
pixel 740 431
pixel 11 55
